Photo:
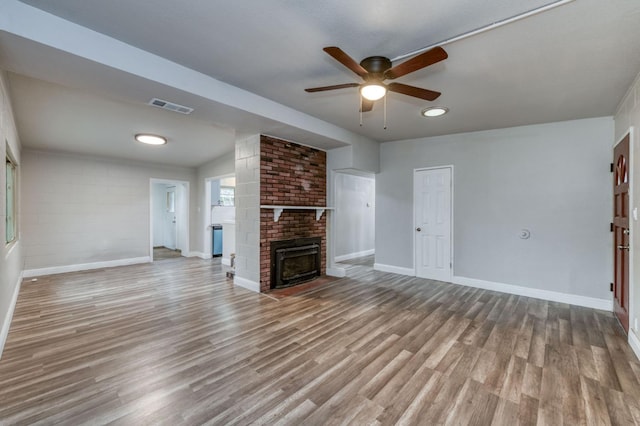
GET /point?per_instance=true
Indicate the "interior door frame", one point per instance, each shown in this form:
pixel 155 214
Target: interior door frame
pixel 206 243
pixel 632 315
pixel 451 228
pixel 187 213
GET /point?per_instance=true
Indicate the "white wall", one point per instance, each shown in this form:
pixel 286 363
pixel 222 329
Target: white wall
pixel 10 255
pixel 552 179
pixel 362 156
pixel 159 208
pixel 628 115
pixel 354 216
pixel 80 209
pixel 248 213
pixel 215 192
pixel 221 214
pixel 366 156
pixel 182 225
pixel 228 242
pixel 338 159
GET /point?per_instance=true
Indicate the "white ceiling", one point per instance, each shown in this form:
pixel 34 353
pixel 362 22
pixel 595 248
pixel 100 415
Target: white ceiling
pixel 78 121
pixel 574 61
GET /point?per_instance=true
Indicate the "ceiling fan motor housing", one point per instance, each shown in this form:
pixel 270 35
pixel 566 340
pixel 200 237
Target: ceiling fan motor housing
pixel 376 66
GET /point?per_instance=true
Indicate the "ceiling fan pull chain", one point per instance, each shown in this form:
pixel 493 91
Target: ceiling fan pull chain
pixel 361 106
pixel 385 113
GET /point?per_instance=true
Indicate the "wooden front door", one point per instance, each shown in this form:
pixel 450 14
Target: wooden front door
pixel 621 238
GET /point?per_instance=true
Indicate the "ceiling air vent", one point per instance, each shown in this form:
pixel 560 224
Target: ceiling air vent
pixel 170 106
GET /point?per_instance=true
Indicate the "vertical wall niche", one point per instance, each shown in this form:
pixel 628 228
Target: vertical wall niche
pixel 294 175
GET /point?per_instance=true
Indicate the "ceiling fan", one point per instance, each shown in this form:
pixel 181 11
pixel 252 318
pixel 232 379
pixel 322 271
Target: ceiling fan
pixel 374 70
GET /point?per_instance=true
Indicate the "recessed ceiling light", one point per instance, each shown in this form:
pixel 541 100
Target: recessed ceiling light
pixel 151 139
pixel 435 111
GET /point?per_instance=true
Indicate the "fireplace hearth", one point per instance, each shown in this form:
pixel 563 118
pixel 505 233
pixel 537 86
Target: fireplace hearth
pixel 295 261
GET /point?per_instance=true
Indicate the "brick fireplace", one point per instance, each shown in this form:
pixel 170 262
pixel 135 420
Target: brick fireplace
pixel 290 175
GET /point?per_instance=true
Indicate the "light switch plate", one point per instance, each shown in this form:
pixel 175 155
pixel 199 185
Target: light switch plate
pixel 635 213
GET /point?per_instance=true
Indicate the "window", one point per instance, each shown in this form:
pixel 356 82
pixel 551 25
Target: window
pixel 227 194
pixel 171 201
pixel 11 201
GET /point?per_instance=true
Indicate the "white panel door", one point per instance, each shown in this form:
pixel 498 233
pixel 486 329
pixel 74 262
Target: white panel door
pixel 432 198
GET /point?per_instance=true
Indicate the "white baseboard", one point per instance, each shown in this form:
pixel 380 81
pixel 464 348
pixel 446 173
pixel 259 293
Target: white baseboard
pixel 634 342
pixel 226 261
pixel 199 254
pixel 394 269
pixel 28 273
pixel 336 272
pixel 248 284
pixel 4 330
pixel 553 296
pixel 354 255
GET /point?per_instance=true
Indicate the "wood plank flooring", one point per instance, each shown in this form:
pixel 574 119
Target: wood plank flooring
pixel 162 253
pixel 174 342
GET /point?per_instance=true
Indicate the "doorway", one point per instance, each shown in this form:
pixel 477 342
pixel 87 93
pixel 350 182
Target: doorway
pixel 219 218
pixel 621 230
pixel 433 188
pixel 169 229
pixel 354 234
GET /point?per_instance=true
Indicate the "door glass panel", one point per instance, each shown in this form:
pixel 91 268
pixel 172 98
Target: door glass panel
pixel 171 202
pixel 621 171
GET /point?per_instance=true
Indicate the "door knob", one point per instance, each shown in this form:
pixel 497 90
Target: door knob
pixel 626 232
pixel 418 229
pixel 623 247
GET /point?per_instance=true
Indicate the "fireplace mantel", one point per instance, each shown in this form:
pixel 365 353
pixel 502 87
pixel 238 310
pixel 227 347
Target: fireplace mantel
pixel 277 210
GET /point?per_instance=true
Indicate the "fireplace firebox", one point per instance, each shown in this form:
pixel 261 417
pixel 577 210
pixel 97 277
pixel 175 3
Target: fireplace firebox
pixel 295 261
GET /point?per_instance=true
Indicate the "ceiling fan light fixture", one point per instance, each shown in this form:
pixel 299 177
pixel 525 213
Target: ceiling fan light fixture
pixel 373 91
pixel 435 111
pixel 151 139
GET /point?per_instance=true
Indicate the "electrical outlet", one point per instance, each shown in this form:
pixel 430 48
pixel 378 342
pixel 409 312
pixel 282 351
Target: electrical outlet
pixel 635 324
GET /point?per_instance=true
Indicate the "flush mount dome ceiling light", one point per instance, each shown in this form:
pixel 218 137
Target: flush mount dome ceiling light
pixel 151 139
pixel 435 111
pixel 373 91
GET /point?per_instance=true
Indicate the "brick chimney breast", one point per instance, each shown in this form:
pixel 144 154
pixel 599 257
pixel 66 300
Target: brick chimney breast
pixel 290 175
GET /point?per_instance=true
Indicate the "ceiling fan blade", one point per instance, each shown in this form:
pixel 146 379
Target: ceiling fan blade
pixel 367 105
pixel 416 92
pixel 346 60
pixel 425 59
pixel 334 87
